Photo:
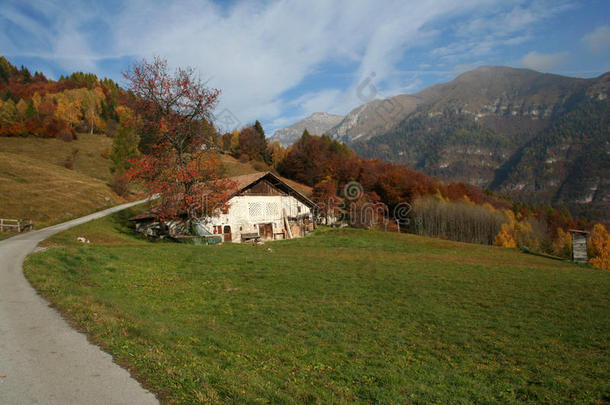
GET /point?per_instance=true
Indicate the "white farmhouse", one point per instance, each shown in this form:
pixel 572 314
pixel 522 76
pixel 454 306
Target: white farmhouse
pixel 263 206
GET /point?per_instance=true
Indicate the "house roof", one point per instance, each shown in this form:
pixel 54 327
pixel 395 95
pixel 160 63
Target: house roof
pixel 246 180
pixel 580 231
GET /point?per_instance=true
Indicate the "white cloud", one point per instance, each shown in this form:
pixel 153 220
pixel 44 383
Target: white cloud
pixel 598 41
pixel 256 52
pixel 544 62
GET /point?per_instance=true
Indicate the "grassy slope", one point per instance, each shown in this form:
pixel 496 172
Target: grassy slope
pixel 341 316
pixel 35 184
pixel 48 193
pixel 89 160
pixel 234 167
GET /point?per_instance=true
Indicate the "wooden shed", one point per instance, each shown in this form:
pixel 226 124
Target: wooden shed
pixel 579 246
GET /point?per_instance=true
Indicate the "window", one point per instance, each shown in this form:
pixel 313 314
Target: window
pixel 273 210
pixel 255 209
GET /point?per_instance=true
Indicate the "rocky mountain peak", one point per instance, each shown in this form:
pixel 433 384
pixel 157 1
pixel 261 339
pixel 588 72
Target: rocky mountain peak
pixel 317 123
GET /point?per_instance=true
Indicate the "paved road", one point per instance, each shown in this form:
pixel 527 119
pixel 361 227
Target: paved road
pixel 42 359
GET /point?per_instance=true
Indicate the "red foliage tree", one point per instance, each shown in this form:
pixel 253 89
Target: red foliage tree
pixel 172 108
pixel 324 194
pixel 172 111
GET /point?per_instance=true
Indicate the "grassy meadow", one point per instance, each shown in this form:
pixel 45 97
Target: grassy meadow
pixel 341 316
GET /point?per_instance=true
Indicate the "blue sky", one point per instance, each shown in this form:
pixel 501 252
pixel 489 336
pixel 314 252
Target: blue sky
pixel 279 61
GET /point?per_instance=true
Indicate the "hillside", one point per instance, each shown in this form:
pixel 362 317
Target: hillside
pixel 498 127
pixel 34 182
pixel 342 316
pixel 91 158
pixel 48 193
pixel 315 124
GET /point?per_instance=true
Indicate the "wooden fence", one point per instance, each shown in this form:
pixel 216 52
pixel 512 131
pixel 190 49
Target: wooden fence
pixel 16 225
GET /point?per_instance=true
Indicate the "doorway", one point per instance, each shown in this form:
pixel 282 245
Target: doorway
pixel 266 231
pixel 227 233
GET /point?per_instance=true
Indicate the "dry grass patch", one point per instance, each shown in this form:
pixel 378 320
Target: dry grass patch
pixel 48 193
pixel 89 160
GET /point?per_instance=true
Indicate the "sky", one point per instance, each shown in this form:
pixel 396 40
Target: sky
pixel 280 61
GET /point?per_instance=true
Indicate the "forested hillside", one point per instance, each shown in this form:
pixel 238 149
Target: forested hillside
pixel 31 104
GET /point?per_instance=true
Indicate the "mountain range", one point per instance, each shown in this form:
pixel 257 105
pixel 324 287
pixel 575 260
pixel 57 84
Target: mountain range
pixel 533 136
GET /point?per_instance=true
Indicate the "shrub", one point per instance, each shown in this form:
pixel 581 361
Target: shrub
pixel 120 185
pixel 105 153
pixel 16 129
pixel 53 127
pixel 69 162
pixel 111 127
pixel 66 135
pixel 260 166
pixel 82 127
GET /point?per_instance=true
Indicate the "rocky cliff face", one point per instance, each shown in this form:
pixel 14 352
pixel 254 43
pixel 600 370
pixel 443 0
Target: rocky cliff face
pixel 316 124
pixel 539 137
pixel 374 118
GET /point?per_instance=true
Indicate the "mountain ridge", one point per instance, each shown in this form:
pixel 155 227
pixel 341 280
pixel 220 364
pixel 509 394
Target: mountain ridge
pixel 515 131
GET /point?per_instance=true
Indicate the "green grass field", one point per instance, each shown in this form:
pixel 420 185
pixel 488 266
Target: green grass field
pixel 341 316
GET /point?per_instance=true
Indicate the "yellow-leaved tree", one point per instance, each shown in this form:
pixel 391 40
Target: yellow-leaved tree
pixel 125 115
pixel 506 236
pixel 600 247
pixel 21 106
pixel 68 107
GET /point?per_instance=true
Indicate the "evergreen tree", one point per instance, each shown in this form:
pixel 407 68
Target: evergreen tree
pixel 26 76
pixel 6 69
pixel 124 148
pixel 31 111
pixel 259 128
pixel 265 153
